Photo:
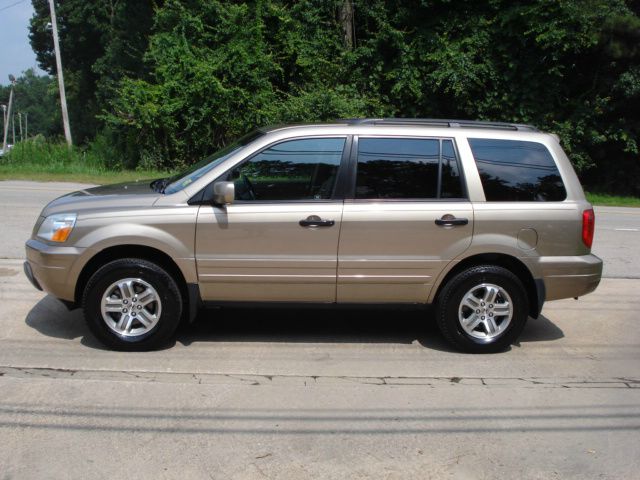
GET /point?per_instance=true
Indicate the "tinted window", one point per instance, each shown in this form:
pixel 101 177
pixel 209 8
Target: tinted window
pixel 397 168
pixel 193 173
pixel 406 168
pixel 512 170
pixel 294 170
pixel 451 181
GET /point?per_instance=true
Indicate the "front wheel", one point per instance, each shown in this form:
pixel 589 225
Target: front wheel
pixel 132 304
pixel 482 309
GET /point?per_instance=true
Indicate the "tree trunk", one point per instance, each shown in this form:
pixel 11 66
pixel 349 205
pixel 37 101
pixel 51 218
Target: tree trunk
pixel 346 22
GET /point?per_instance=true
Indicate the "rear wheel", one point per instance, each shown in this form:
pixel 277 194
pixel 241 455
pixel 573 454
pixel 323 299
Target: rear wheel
pixel 482 309
pixel 132 304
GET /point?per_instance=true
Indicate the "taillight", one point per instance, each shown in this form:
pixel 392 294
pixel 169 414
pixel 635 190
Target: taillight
pixel 588 227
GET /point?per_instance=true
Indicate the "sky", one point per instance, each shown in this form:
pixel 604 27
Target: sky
pixel 16 55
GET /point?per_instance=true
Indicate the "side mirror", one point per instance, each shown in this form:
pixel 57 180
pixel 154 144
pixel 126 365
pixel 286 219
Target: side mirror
pixel 223 193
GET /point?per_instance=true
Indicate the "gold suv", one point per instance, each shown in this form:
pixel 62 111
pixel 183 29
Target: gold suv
pixel 484 220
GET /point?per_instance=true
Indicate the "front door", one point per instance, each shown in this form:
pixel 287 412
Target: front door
pixel 408 218
pixel 278 241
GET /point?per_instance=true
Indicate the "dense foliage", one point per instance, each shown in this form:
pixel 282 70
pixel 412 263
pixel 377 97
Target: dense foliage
pixel 102 42
pixel 169 81
pixel 35 98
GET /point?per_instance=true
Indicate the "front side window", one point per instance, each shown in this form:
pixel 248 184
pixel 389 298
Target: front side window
pixel 513 170
pixel 184 179
pixel 407 168
pixel 304 169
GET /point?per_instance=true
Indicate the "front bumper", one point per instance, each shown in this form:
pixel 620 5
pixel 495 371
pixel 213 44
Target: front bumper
pixel 29 274
pixel 49 268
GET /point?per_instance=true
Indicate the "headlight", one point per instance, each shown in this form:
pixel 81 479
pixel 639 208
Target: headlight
pixel 57 228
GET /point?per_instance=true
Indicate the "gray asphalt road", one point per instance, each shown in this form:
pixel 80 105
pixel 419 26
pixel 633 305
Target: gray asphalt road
pixel 617 241
pixel 21 203
pixel 296 394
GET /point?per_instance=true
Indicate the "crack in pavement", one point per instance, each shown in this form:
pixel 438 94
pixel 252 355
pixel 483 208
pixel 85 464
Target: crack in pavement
pixel 312 380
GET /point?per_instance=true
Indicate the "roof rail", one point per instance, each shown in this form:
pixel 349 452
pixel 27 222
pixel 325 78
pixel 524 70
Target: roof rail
pixel 436 122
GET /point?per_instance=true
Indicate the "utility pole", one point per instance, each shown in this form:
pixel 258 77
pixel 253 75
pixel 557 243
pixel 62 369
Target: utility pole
pixel 26 125
pixel 20 124
pixel 12 79
pixel 63 96
pixel 13 128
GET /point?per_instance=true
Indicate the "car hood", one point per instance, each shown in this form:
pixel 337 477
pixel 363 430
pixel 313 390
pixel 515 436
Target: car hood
pixel 121 196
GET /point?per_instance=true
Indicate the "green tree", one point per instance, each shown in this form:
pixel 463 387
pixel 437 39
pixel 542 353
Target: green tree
pixel 170 81
pixel 100 43
pixel 36 98
pixel 222 68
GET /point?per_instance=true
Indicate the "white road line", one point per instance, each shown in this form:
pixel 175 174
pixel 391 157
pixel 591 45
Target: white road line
pixel 631 211
pixel 627 229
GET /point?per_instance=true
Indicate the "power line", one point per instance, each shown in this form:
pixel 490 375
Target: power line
pixel 12 5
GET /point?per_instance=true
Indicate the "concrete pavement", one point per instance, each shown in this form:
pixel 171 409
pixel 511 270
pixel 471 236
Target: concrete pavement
pixel 246 394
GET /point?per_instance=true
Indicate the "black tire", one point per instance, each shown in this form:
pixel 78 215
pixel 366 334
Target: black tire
pixel 449 304
pixel 167 291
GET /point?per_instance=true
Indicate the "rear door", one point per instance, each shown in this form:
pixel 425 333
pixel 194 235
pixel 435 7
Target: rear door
pixel 407 218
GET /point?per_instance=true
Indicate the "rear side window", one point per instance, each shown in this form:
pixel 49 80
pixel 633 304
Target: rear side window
pixel 407 168
pixel 513 171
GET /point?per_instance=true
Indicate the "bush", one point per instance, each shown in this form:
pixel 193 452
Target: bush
pixel 53 156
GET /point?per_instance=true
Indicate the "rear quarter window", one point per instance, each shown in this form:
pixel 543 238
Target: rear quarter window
pixel 513 170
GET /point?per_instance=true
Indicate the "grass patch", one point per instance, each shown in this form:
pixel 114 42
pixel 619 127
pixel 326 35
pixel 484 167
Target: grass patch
pixel 40 160
pixel 606 200
pixel 101 178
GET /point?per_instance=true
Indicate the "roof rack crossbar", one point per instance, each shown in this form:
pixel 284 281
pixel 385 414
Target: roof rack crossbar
pixel 436 122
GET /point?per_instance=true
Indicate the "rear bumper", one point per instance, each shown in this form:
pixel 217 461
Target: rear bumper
pixel 49 268
pixel 568 277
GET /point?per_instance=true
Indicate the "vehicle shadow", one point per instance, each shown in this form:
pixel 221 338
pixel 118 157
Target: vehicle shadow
pixel 51 318
pixel 366 325
pixel 291 325
pixel 309 325
pixel 540 329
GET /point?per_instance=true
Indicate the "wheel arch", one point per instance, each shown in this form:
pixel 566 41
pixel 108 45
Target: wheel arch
pixel 143 252
pixel 534 288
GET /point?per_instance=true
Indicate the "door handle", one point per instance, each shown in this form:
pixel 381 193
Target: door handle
pixel 449 220
pixel 316 221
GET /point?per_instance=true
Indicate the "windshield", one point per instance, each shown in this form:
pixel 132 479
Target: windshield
pixel 194 172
